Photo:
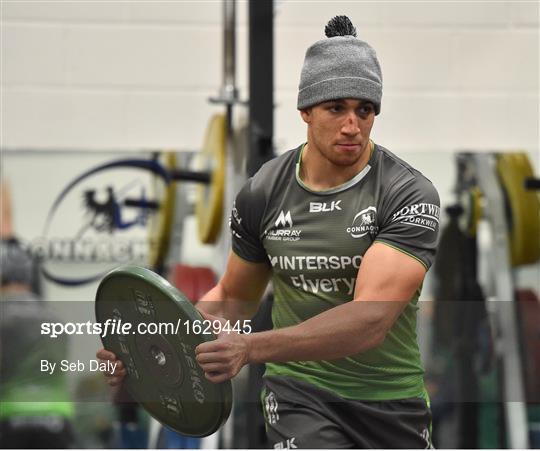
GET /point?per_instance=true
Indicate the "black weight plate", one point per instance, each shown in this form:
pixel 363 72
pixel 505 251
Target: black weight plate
pixel 163 375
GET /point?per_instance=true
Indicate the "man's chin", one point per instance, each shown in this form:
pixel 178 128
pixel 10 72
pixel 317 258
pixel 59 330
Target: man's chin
pixel 345 160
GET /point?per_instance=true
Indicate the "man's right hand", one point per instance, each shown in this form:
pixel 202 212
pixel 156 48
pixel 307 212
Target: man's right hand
pixel 117 376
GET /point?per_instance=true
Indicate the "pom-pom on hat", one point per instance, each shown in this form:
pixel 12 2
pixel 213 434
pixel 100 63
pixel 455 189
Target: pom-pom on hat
pixel 340 67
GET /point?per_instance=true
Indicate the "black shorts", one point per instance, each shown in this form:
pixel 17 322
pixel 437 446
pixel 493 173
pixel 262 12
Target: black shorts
pixel 301 415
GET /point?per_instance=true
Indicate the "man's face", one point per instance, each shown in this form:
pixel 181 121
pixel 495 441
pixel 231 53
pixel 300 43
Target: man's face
pixel 339 129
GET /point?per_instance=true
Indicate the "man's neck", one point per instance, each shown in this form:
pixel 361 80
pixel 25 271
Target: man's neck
pixel 320 174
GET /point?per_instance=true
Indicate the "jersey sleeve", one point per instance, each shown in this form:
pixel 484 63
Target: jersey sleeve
pixel 244 222
pixel 411 219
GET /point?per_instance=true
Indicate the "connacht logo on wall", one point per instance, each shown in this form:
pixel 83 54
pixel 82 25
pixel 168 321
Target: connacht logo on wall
pixel 364 222
pixel 100 220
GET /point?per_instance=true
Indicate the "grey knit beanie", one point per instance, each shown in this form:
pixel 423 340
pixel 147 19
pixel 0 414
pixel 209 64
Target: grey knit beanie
pixel 340 67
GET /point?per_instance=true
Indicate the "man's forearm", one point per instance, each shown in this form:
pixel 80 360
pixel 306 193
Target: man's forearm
pixel 211 302
pixel 218 302
pixel 342 331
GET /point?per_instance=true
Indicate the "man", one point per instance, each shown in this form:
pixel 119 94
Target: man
pixel 346 232
pixel 36 410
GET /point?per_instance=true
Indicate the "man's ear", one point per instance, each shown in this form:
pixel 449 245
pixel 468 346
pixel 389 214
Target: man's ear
pixel 306 115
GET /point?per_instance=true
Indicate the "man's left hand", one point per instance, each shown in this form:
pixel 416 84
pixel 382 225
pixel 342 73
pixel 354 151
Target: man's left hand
pixel 223 358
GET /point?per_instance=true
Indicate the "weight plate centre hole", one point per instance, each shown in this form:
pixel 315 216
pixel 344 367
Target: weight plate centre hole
pixel 158 355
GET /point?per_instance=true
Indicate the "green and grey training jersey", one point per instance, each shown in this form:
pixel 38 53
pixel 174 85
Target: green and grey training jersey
pixel 315 240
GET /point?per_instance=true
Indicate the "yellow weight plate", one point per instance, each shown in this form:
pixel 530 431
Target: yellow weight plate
pixel 523 207
pixel 209 204
pixel 161 223
pixel 471 201
pixel 476 210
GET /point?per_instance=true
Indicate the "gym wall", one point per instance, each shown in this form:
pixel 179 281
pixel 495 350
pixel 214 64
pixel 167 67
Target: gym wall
pixel 108 75
pixel 456 75
pixel 138 74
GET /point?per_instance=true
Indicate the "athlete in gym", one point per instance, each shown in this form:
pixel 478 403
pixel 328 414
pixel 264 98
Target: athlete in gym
pixel 36 410
pixel 337 219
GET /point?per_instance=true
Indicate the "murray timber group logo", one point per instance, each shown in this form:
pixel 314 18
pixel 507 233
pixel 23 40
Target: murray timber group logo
pixel 99 220
pixel 282 229
pixel 363 223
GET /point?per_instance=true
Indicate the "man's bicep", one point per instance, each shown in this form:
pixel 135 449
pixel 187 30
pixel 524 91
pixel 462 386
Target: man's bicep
pixel 387 274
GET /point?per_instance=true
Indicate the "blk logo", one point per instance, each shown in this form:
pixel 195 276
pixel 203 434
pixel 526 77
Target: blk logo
pixel 322 207
pixel 284 219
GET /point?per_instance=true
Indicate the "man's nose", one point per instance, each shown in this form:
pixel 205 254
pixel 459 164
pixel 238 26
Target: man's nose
pixel 350 125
